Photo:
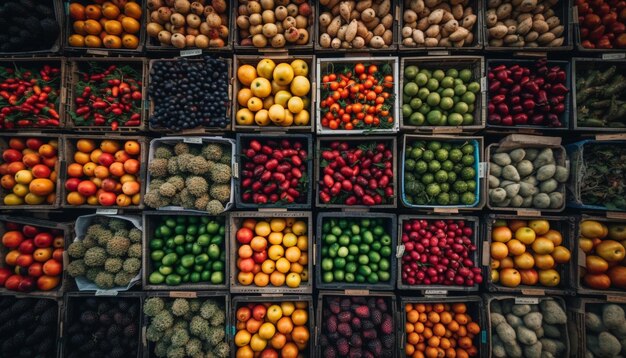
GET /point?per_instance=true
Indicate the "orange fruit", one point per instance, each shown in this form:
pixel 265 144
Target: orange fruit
pixel 117 169
pixel 76 41
pixel 110 11
pixel 300 334
pixel 109 146
pixel 74 198
pixel 132 147
pixel 92 27
pixel 77 11
pixel 41 187
pixel 93 41
pixel 113 27
pixel 133 10
pixel 299 317
pixel 93 12
pixel 86 145
pixel 130 41
pixel 79 27
pixel 81 158
pixel 111 41
pixel 130 25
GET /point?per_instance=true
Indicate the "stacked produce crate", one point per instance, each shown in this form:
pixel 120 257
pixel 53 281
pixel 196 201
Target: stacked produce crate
pixel 292 178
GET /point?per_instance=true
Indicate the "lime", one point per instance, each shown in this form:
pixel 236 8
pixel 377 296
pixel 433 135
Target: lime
pixel 417 119
pixel 468 97
pixel 468 173
pixel 447 103
pixel 406 110
pixel 455 119
pixel 433 189
pixel 461 107
pixel 411 88
pixel 421 79
pixel 455 155
pixel 384 264
pixel 405 98
pixel 448 92
pixel 434 166
pixel 328 277
pixel 447 82
pixel 452 72
pixel 344 240
pixel 432 84
pixel 467 160
pixel 441 176
pixel 410 72
pixel 473 87
pixel 423 93
pixel 447 165
pixel 465 75
pixel 339 275
pixel 439 75
pixel 441 154
pixel 468 119
pixel 434 117
pixel 429 154
pixel 416 153
pixel 421 167
pixel 424 109
pixel 415 103
pixel 409 164
pixel 364 259
pixel 433 99
pixel 428 178
pixel 459 90
pixel 460 186
pixel 468 198
pixel 349 277
pixel 351 267
pixel 443 199
pixel 467 149
pixel 457 81
pixel 434 145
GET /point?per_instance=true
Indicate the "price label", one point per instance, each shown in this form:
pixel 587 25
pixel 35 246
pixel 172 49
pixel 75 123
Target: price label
pixel 97 52
pixel 193 52
pixel 438 53
pixel 616 299
pixel 447 130
pixel 357 292
pixel 446 210
pixel 533 292
pixel 193 140
pixel 616 215
pixel 400 251
pixel 183 294
pixel 271 294
pixel 106 293
pixel 482 169
pixel 526 300
pixel 613 56
pixel 435 293
pixel 528 213
pixel 621 136
pixel 106 211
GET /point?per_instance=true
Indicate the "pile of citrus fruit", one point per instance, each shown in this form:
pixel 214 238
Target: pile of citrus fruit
pixel 105 24
pixel 527 253
pixel 272 329
pixel 104 173
pixel 273 251
pixel 273 93
pixel 28 171
pixel 440 330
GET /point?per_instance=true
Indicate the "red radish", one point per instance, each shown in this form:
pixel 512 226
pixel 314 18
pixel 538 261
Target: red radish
pixel 601 23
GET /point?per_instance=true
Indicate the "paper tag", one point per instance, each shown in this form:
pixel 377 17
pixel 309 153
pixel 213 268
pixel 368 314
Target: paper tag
pixel 620 136
pixel 192 140
pixel 447 129
pixel 526 300
pixel 106 293
pixel 483 84
pixel 528 212
pixel 533 292
pixel 97 52
pixel 616 299
pixel 482 169
pixel 106 211
pixel 235 170
pixel 271 294
pixel 400 251
pixel 613 56
pixel 446 210
pixel 435 292
pixel 144 340
pixel 357 292
pixel 486 251
pixel 183 294
pixel 582 258
pixel 531 54
pixel 616 215
pixel 483 336
pixel 192 52
pixel 575 14
pixel 438 53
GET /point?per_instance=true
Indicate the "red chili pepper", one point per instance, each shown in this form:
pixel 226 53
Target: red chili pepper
pixel 114 125
pixel 99 105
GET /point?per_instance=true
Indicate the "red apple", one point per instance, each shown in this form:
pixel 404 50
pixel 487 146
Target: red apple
pixel 259 312
pixel 27 284
pixel 41 171
pixel 87 188
pixel 34 143
pixel 11 155
pixel 36 269
pixel 27 246
pixel 5 273
pixel 43 239
pixel 106 159
pixel 12 282
pixel 244 235
pixel 259 257
pixel 57 254
pixel 59 241
pixel 106 198
pixel 109 184
pixel 30 231
pixel 71 184
pixel 12 239
pixel 24 260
